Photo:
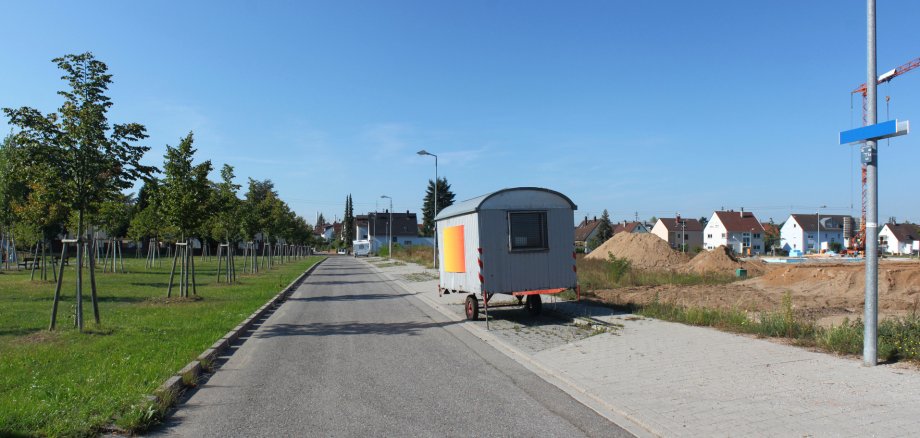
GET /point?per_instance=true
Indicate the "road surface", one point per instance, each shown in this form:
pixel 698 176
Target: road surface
pixel 351 354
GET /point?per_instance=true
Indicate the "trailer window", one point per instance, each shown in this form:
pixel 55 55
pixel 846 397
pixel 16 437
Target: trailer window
pixel 527 230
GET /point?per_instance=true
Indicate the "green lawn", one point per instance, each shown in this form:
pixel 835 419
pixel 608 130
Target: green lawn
pixel 70 383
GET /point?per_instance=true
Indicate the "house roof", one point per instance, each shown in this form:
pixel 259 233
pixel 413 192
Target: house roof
pixel 585 228
pixel 629 227
pixel 473 204
pixel 905 232
pixel 404 224
pixel 671 224
pixel 739 221
pixel 829 222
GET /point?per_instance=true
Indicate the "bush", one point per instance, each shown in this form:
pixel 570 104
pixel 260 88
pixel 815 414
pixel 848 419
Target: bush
pixel 617 268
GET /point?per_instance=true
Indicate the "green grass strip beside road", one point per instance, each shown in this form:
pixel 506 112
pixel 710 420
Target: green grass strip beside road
pixel 66 383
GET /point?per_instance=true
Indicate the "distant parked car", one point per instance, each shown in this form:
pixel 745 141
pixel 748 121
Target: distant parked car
pixel 343 251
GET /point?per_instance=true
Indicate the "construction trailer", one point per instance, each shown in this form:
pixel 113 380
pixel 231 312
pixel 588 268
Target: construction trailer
pixel 517 241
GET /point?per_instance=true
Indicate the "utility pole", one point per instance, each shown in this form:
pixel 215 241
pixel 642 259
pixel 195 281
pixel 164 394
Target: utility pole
pixel 389 229
pixel 870 336
pixel 435 212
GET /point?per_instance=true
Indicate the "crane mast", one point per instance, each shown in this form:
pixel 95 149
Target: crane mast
pixel 883 78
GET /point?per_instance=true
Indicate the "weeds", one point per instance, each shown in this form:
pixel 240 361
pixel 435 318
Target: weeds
pixel 420 255
pixel 619 272
pixel 898 338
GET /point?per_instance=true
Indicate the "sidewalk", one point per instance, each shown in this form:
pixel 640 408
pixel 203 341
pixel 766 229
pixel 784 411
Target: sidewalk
pixel 670 379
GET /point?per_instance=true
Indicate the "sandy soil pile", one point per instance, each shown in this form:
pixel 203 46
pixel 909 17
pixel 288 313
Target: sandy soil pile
pixel 643 250
pixel 720 260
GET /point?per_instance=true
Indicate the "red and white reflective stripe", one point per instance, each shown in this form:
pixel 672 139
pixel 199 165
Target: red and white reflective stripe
pixel 479 261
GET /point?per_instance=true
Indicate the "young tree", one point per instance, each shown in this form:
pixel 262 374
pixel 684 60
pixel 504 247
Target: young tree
pixel 226 206
pixel 12 182
pixel 92 158
pixel 148 221
pixel 184 196
pixel 445 199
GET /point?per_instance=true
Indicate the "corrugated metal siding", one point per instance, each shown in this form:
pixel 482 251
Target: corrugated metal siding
pixel 462 281
pixel 507 271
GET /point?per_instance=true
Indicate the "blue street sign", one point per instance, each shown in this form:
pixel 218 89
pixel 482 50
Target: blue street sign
pixel 891 128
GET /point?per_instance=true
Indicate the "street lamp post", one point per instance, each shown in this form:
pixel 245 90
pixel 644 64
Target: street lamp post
pixel 389 229
pixel 434 213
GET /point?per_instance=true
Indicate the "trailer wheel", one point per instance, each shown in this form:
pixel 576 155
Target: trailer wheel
pixel 472 308
pixel 534 304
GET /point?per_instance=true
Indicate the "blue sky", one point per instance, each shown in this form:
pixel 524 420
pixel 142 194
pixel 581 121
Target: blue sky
pixel 645 108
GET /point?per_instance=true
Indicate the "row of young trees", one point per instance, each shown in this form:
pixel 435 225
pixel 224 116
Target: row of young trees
pixel 66 172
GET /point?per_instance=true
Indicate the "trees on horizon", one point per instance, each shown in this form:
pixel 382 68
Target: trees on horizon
pixel 445 199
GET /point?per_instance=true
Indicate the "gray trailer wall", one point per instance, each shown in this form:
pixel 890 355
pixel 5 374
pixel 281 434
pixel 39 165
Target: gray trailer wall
pixel 507 271
pixel 462 281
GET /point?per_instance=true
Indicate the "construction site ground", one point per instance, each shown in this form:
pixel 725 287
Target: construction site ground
pixel 827 289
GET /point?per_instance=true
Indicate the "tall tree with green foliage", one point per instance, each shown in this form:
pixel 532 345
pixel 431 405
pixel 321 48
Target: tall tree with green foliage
pixel 604 227
pixel 184 200
pixel 12 184
pixel 348 224
pixel 445 199
pixel 226 206
pixel 320 224
pixel 186 189
pixel 92 158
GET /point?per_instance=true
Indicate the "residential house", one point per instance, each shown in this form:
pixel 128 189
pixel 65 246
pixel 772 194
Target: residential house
pixel 803 232
pixel 680 232
pixel 898 238
pixel 740 231
pixel 404 232
pixel 585 232
pixel 629 227
pixel 362 227
pixel 330 231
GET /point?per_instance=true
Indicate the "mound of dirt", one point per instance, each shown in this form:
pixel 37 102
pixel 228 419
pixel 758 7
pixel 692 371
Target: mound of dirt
pixel 720 260
pixel 643 250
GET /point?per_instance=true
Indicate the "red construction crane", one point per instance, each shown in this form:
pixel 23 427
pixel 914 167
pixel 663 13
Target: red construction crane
pixel 884 77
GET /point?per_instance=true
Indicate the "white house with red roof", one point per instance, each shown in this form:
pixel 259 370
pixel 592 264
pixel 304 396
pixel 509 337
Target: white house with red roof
pixel 739 231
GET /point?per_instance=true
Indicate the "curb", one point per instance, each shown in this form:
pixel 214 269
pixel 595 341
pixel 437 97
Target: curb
pixel 605 409
pixel 166 393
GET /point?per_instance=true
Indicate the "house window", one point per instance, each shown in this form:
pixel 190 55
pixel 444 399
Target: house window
pixel 757 235
pixel 723 235
pixel 527 230
pixel 757 247
pixel 709 236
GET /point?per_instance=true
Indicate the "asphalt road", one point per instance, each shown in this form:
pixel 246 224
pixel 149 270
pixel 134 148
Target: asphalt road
pixel 351 354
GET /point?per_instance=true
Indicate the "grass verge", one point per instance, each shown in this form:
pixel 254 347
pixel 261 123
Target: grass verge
pixel 66 383
pixel 419 254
